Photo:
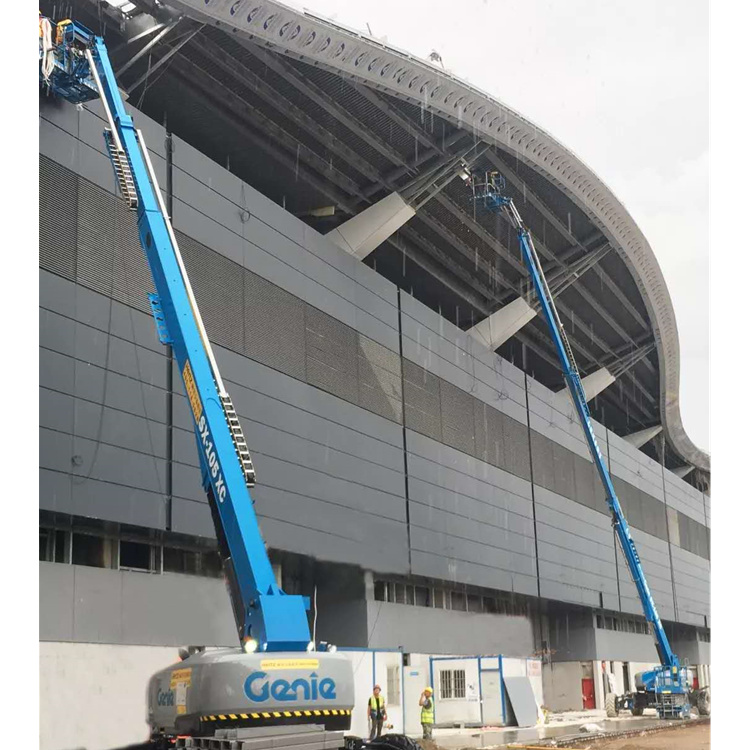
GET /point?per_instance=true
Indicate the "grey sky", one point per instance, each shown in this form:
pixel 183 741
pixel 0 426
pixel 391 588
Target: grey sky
pixel 624 84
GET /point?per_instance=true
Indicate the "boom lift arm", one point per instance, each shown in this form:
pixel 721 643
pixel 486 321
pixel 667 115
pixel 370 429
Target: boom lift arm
pixel 670 677
pixel 77 67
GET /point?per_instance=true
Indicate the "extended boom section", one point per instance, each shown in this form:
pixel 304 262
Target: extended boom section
pixel 668 682
pixel 208 690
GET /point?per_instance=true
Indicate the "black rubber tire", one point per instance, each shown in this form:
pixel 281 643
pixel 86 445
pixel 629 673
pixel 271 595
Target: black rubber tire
pixel 637 711
pixel 610 704
pixel 704 703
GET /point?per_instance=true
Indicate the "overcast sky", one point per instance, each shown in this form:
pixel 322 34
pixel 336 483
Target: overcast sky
pixel 624 84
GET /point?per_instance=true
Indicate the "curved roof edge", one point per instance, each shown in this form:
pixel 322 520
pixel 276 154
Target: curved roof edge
pixel 325 44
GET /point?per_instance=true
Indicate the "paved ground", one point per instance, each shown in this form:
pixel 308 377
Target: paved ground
pixel 696 737
pixel 570 723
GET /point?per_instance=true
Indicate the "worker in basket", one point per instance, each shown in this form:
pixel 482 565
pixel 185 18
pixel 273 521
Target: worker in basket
pixel 428 713
pixel 376 712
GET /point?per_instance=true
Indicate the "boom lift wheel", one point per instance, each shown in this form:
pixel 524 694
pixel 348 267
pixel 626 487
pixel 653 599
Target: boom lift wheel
pixel 637 711
pixel 704 702
pixel 611 705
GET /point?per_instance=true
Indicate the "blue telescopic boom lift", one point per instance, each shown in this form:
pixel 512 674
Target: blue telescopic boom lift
pixel 74 64
pixel 665 687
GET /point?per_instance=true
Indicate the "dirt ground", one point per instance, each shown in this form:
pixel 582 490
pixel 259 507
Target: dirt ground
pixel 696 737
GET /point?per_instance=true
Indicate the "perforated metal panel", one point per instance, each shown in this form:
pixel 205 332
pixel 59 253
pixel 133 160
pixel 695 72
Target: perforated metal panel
pixel 543 461
pixel 58 225
pixel 457 417
pixel 564 471
pixel 219 291
pixel 516 447
pixel 673 522
pixel 379 379
pixel 585 477
pixel 331 354
pixel 274 326
pixel 422 400
pixel 488 431
pixel 654 516
pixel 110 259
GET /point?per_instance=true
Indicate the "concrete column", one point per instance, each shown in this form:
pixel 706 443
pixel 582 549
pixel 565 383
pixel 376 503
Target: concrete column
pixel 503 323
pixel 361 234
pixel 592 384
pixel 640 438
pixel 683 471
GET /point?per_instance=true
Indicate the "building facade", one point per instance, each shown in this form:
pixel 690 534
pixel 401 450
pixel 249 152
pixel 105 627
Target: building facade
pixel 433 499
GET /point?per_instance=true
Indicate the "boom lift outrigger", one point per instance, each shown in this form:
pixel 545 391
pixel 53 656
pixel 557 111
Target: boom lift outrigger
pixel 665 687
pixel 257 684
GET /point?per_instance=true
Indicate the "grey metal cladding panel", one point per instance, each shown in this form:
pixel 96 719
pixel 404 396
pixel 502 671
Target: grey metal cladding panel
pixel 422 401
pixel 116 502
pixel 99 461
pixel 557 565
pixel 588 489
pixel 219 291
pixel 488 431
pixel 502 512
pixel 332 282
pixel 175 609
pixel 184 448
pixel 584 541
pixel 290 266
pixel 187 483
pixel 367 527
pixel 463 371
pixel 98 610
pixel 255 376
pixel 446 467
pixel 329 492
pixel 595 522
pixel 330 355
pixel 110 259
pixel 65 413
pixel 564 471
pixel 542 460
pixel 517 459
pixel 455 548
pixel 457 417
pixel 424 317
pixel 257 407
pixel 193 518
pixel 79 157
pixel 56 601
pixel 99 311
pixel 58 200
pixel 207 201
pixel 386 553
pixel 274 326
pixel 654 515
pixel 379 379
pixel 91 346
pixel 461 571
pixel 65 374
pixel 191 162
pixel 470 530
pixel 55 491
pixel 269 441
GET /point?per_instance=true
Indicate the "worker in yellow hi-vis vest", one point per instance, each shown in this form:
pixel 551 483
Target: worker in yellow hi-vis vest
pixel 376 712
pixel 428 713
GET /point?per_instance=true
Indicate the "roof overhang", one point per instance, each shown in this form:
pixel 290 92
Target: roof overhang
pixel 321 43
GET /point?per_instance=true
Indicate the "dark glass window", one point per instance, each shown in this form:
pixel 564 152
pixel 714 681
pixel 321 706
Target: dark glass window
pixel 136 555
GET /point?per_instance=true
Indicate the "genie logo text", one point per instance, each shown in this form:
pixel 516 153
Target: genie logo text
pixel 165 697
pixel 258 688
